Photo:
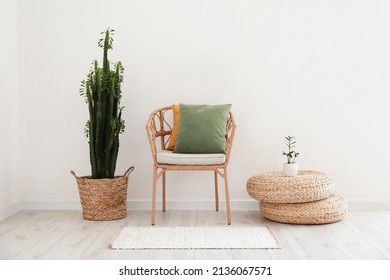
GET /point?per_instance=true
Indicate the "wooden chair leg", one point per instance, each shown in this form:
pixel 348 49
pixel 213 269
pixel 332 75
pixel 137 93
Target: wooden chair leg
pixel 164 191
pixel 227 197
pixel 154 195
pixel 216 191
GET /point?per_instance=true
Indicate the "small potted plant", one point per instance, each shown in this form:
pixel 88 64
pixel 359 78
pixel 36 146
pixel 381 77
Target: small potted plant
pixel 290 168
pixel 103 195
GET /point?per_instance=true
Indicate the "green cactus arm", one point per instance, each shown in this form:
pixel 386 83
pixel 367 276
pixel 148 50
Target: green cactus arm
pixel 91 77
pixel 114 156
pixel 105 121
pixel 98 137
pixel 107 157
pixel 109 135
pixel 119 78
pixel 92 156
pixel 119 125
pixel 91 130
pixel 112 98
pixel 105 51
pixel 104 105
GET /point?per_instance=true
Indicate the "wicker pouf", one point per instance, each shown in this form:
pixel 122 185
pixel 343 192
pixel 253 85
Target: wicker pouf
pixel 324 211
pixel 274 187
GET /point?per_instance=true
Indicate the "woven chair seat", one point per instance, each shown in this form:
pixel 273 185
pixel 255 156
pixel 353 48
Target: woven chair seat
pixel 324 211
pixel 274 187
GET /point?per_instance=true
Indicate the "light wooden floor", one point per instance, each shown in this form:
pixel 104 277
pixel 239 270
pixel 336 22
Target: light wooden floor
pixel 65 235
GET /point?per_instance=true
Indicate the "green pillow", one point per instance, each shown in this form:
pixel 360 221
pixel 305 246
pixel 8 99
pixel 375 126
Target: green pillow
pixel 202 129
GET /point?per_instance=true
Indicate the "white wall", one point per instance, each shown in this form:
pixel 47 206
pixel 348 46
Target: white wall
pixel 9 187
pixel 318 70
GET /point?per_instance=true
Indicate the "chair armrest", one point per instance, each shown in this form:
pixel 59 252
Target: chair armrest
pixel 230 130
pixel 156 127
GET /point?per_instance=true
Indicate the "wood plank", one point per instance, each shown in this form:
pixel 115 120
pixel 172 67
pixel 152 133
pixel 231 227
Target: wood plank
pixel 17 220
pixel 367 230
pixel 380 218
pixel 315 243
pixel 26 219
pixel 290 247
pixel 384 220
pixel 100 248
pixel 178 218
pixel 42 240
pixel 210 218
pixel 16 242
pixel 351 244
pixel 73 245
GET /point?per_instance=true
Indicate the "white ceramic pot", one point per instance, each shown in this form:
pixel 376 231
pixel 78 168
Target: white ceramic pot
pixel 290 169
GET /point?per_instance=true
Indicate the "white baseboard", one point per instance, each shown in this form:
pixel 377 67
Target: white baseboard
pixel 144 205
pixel 357 204
pixel 354 204
pixel 194 205
pixel 11 210
pixel 52 205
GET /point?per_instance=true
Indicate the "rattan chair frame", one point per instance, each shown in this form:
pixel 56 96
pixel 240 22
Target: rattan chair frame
pixel 158 126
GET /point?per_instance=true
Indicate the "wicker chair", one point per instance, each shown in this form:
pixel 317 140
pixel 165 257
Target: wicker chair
pixel 159 126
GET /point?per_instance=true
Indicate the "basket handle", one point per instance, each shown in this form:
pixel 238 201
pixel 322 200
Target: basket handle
pixel 128 171
pixel 74 174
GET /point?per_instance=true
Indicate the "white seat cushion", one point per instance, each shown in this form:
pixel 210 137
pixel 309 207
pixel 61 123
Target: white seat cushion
pixel 169 157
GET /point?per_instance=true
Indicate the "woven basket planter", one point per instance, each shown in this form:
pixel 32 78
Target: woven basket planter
pixel 274 187
pixel 323 211
pixel 103 199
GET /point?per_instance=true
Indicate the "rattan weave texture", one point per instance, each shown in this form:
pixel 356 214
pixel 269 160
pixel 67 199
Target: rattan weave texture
pixel 274 187
pixel 103 199
pixel 324 211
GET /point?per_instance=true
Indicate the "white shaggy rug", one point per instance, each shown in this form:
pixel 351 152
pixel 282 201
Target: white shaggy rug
pixel 185 238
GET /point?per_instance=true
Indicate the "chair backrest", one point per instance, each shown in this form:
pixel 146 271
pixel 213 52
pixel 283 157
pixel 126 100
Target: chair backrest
pixel 160 124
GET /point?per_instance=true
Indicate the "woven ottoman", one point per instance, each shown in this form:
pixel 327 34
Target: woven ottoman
pixel 274 187
pixel 329 210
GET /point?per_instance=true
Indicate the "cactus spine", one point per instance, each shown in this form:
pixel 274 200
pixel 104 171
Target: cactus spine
pixel 102 90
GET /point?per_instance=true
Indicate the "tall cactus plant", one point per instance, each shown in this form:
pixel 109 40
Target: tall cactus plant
pixel 102 90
